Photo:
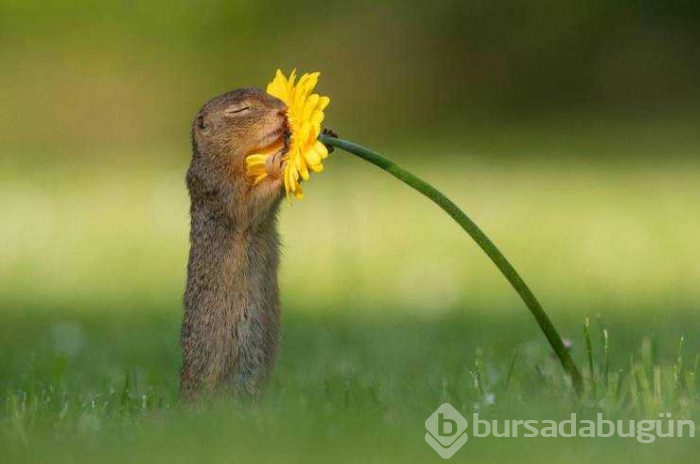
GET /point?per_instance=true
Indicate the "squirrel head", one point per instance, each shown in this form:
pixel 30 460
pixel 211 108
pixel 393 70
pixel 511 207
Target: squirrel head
pixel 237 124
pixel 225 131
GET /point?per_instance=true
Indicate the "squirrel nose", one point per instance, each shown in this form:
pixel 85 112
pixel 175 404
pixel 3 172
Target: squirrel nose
pixel 280 105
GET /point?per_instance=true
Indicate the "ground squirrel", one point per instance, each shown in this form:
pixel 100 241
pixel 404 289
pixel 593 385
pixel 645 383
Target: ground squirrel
pixel 231 324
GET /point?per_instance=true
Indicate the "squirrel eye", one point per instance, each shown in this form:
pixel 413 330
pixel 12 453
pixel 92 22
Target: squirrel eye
pixel 200 122
pixel 237 109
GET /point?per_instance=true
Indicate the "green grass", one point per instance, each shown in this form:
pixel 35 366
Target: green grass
pixel 102 387
pixel 389 311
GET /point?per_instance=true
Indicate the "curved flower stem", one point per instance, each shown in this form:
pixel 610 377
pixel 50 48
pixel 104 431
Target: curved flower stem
pixel 481 239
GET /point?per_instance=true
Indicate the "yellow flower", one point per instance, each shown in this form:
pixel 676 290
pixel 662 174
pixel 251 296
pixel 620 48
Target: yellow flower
pixel 304 114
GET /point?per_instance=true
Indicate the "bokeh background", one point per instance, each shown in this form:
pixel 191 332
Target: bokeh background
pixel 568 130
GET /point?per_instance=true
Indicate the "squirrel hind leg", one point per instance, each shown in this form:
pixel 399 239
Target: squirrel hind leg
pixel 256 355
pixel 249 372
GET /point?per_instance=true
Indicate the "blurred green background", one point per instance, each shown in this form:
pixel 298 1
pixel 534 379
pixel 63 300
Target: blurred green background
pixel 568 130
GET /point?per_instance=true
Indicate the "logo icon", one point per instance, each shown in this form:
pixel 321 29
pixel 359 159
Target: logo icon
pixel 446 431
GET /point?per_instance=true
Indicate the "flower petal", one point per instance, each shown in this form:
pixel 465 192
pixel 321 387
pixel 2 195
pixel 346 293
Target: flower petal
pixel 307 84
pixel 317 118
pixel 323 103
pixel 304 131
pixel 278 87
pixel 309 106
pixel 321 149
pixel 312 156
pixel 256 159
pixel 302 168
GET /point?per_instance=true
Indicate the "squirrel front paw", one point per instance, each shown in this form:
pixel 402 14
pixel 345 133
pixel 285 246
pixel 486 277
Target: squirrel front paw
pixel 274 165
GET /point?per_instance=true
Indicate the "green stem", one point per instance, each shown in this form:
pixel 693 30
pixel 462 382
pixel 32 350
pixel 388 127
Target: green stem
pixel 481 239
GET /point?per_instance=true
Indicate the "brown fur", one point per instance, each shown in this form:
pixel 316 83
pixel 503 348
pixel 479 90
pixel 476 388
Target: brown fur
pixel 231 324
